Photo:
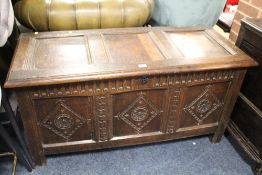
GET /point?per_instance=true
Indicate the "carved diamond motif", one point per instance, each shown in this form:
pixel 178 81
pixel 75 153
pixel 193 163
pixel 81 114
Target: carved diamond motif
pixel 204 105
pixel 63 121
pixel 139 113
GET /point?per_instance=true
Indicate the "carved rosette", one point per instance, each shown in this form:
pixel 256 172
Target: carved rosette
pixel 139 113
pixel 204 105
pixel 63 121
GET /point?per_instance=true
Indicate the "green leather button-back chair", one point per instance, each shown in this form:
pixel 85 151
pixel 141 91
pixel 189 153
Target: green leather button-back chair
pixel 51 15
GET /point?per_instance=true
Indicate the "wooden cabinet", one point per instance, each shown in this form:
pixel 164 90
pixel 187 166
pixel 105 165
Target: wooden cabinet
pixel 246 123
pixel 97 89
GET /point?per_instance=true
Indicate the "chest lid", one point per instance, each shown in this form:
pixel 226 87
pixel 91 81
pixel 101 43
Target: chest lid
pixel 62 57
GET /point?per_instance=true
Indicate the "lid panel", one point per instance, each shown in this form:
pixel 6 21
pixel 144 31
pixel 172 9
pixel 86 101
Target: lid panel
pixel 196 44
pixel 52 53
pixel 123 48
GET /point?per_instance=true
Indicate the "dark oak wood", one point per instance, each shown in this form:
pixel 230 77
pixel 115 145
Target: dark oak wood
pixel 96 89
pixel 246 121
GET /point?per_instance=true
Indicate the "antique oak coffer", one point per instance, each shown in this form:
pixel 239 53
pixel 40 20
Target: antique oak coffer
pixel 95 89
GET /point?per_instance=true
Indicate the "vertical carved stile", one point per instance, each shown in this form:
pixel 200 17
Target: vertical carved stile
pixel 110 119
pixel 174 101
pixel 102 112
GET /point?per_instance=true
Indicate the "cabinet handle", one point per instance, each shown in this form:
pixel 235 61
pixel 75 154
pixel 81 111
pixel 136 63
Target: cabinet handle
pixel 144 80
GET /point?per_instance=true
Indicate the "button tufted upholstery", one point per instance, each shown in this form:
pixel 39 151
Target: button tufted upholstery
pixel 49 15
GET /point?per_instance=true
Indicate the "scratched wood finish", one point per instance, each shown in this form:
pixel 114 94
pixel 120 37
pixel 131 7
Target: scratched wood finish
pixel 95 89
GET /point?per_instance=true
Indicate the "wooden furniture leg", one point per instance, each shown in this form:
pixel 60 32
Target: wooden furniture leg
pixel 227 112
pixel 8 109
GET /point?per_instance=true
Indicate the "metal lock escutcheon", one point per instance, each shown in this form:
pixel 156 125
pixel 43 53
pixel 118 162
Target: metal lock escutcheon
pixel 144 80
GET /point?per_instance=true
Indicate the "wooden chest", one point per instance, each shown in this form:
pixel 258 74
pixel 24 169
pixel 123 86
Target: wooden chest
pixel 246 123
pixel 97 89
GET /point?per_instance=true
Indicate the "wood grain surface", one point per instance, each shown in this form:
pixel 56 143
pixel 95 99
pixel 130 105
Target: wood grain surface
pixel 95 89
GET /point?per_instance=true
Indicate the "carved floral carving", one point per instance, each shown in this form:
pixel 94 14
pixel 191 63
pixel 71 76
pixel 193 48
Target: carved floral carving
pixel 204 105
pixel 139 113
pixel 63 121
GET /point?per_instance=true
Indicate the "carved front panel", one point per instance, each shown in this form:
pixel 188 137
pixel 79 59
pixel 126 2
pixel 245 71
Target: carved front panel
pixel 101 110
pixel 202 105
pixel 138 112
pixel 65 119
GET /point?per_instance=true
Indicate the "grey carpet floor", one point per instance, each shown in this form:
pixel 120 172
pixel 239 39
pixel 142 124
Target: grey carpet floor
pixel 195 156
